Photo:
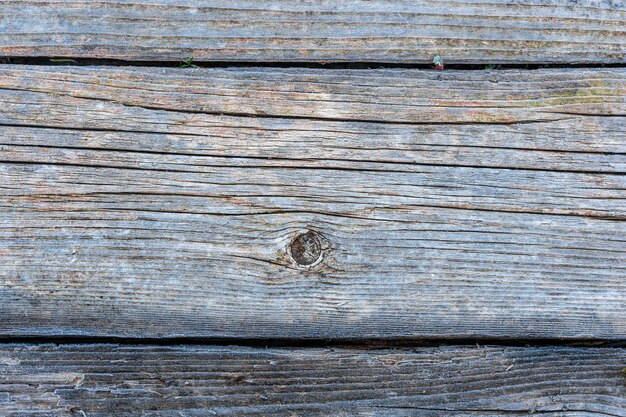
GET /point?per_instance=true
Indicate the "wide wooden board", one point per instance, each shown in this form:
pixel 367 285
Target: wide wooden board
pixel 104 380
pixel 399 31
pixel 159 203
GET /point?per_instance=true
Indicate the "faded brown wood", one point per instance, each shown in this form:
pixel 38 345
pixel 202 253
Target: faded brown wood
pixel 461 31
pixel 105 380
pixel 159 203
pixel 377 95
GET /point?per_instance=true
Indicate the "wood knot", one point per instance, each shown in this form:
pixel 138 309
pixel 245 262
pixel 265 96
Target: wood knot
pixel 306 249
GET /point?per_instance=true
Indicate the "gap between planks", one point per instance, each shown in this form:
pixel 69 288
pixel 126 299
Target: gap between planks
pixel 358 65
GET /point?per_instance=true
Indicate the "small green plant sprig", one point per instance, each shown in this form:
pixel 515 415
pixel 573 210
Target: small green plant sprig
pixel 187 63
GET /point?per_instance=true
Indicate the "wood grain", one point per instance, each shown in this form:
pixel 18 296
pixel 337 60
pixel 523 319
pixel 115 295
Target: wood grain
pixel 137 204
pixel 104 380
pixel 383 95
pixel 399 31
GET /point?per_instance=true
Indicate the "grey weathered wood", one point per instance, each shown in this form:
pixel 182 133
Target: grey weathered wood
pixel 105 380
pixel 384 95
pixel 132 207
pixel 463 31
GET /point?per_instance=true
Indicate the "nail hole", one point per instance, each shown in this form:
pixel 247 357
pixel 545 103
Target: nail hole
pixel 306 249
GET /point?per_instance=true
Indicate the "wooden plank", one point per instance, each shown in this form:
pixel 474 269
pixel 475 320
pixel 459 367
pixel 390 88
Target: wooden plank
pixel 132 207
pixel 400 31
pixel 104 379
pixel 379 95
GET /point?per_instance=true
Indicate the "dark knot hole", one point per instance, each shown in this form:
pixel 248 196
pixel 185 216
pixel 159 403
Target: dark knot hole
pixel 306 249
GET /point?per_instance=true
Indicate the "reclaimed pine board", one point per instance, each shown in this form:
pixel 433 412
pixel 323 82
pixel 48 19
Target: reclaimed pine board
pixel 399 31
pixel 160 203
pixel 108 379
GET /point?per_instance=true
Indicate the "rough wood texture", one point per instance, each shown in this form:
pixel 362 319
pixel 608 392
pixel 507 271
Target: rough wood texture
pixel 99 380
pixel 132 207
pixel 382 95
pixel 461 31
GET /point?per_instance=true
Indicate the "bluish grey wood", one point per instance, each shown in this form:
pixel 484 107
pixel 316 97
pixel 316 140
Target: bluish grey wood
pixel 399 31
pixel 132 206
pixel 104 380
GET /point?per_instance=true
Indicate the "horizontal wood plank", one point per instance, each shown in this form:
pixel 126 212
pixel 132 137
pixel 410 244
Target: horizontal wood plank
pixel 104 380
pixel 399 96
pixel 460 31
pixel 132 206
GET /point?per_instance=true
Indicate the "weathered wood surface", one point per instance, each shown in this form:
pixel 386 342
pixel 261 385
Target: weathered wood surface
pixel 377 95
pixel 461 31
pixel 131 206
pixel 104 380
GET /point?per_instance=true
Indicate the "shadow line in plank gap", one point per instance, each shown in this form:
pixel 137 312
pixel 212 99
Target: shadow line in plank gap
pixel 369 343
pixel 78 61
